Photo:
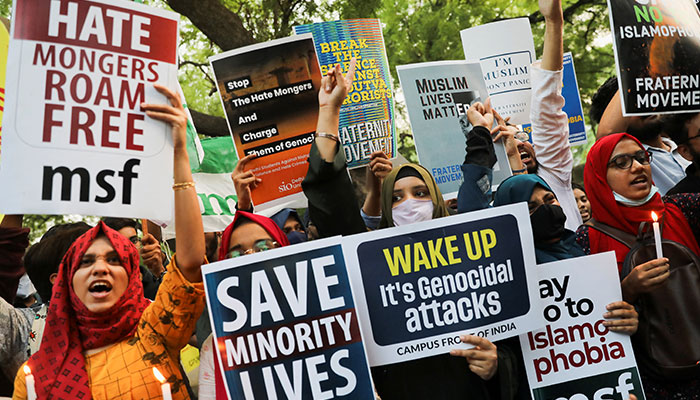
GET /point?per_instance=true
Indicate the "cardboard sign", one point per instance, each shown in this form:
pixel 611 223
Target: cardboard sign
pixel 438 95
pixel 285 324
pixel 505 58
pixel 367 115
pixel 75 140
pixel 575 356
pixel 418 287
pixel 572 105
pixel 269 92
pixel 657 45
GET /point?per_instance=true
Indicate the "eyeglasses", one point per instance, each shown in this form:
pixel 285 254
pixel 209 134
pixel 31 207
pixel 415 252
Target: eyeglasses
pixel 522 136
pixel 624 161
pixel 260 245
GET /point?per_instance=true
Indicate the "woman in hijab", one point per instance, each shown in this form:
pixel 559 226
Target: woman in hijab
pixel 622 195
pixel 102 337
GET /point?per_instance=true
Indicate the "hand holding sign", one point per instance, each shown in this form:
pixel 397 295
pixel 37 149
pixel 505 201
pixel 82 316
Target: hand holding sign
pixel 483 358
pixel 481 114
pixel 173 114
pixel 244 181
pixel 622 318
pixel 335 86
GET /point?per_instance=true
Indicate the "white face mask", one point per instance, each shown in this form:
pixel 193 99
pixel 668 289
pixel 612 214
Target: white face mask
pixel 635 203
pixel 412 210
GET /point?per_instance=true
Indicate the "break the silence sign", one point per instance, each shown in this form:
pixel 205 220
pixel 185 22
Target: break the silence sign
pixel 286 326
pixel 74 139
pixel 269 92
pixel 575 356
pixel 657 45
pixel 367 114
pixel 419 287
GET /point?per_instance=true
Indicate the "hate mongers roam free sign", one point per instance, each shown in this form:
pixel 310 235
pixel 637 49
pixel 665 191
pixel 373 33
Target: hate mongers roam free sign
pixel 74 137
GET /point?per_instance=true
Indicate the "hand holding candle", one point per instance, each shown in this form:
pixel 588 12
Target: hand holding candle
pixel 29 383
pixel 164 386
pixel 657 235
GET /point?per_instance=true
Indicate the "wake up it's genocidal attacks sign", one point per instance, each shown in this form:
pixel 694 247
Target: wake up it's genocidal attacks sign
pixel 285 324
pixel 367 115
pixel 269 92
pixel 575 356
pixel 657 47
pixel 418 287
pixel 74 138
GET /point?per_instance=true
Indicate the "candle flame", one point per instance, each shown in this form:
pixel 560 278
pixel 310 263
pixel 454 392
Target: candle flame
pixel 158 375
pixel 654 216
pixel 27 371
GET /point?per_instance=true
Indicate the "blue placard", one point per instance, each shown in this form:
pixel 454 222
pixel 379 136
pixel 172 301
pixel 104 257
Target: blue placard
pixel 285 324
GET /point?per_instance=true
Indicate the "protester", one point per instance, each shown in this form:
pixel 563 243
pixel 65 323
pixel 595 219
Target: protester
pixel 667 164
pixel 584 207
pixel 378 168
pixel 288 220
pixel 105 337
pixel 684 129
pixel 618 176
pixel 248 233
pixel 150 253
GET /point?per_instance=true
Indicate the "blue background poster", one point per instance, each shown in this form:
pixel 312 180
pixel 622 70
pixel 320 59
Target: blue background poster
pixel 572 105
pixel 285 324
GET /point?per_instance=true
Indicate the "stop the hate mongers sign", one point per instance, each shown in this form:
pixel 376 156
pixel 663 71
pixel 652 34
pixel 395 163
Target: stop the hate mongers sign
pixel 269 92
pixel 285 324
pixel 74 138
pixel 367 114
pixel 575 356
pixel 419 287
pixel 657 46
pixel 438 95
pixel 506 51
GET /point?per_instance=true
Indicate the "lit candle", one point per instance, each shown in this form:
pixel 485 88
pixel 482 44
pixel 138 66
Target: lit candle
pixel 164 386
pixel 29 382
pixel 657 235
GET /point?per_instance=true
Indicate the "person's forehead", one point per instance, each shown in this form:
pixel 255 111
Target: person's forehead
pixel 626 146
pixel 99 246
pixel 127 232
pixel 247 234
pixel 409 182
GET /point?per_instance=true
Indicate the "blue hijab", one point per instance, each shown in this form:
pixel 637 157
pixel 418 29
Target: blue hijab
pixel 519 188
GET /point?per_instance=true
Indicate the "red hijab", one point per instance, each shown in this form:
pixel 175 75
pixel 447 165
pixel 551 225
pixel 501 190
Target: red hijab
pixel 608 211
pixel 59 365
pixel 277 235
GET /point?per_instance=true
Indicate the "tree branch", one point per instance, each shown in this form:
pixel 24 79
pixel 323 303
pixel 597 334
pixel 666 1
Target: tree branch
pixel 208 124
pixel 218 23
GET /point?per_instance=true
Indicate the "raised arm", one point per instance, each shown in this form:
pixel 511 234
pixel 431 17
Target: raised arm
pixel 553 53
pixel 334 89
pixel 188 222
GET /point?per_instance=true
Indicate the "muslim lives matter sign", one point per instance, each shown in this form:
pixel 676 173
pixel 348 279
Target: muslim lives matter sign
pixel 75 140
pixel 269 92
pixel 576 357
pixel 285 324
pixel 657 46
pixel 506 51
pixel 419 287
pixel 367 115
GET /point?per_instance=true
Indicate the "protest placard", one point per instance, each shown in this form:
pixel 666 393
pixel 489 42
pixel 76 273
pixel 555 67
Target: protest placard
pixel 418 287
pixel 75 140
pixel 575 356
pixel 572 105
pixel 285 324
pixel 367 115
pixel 505 59
pixel 438 95
pixel 269 92
pixel 657 45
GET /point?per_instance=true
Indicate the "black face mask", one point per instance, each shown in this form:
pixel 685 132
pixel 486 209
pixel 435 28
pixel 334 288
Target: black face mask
pixel 547 223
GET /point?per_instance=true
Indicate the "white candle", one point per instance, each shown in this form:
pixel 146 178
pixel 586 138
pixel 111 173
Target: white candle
pixel 657 235
pixel 29 383
pixel 164 386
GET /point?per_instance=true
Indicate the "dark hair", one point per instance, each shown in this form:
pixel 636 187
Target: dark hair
pixel 676 126
pixel 43 258
pixel 575 185
pixel 121 223
pixel 602 98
